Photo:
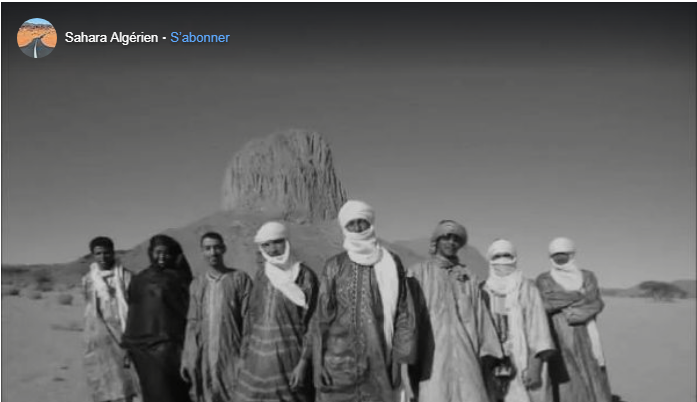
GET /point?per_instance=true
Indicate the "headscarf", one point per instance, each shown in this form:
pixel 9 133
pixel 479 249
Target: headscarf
pixel 568 275
pixel 283 270
pixel 364 249
pixel 181 264
pixel 99 277
pixel 503 285
pixel 504 275
pixel 444 228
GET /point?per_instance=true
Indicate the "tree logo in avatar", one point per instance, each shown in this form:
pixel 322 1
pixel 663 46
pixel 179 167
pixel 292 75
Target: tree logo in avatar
pixel 36 38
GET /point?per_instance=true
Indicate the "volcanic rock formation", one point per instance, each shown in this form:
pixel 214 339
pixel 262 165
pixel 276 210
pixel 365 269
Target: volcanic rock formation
pixel 289 175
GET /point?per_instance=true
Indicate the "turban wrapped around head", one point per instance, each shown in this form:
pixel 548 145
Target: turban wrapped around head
pixel 502 246
pixel 445 228
pixel 354 209
pixel 271 231
pixel 562 245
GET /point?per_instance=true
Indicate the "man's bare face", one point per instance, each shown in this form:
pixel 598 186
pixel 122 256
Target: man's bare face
pixel 448 245
pixel 213 250
pixel 104 257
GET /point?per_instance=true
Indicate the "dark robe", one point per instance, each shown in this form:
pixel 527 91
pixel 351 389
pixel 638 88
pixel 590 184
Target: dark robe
pixel 349 340
pixel 276 338
pixel 158 301
pixel 575 373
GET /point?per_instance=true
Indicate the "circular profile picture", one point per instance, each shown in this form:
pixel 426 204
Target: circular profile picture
pixel 36 38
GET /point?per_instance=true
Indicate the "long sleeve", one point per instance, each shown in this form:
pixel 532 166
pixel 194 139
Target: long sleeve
pixel 243 300
pixel 489 344
pixel 191 354
pixel 555 300
pixel 538 334
pixel 589 306
pixel 404 340
pixel 311 289
pixel 127 276
pixel 324 314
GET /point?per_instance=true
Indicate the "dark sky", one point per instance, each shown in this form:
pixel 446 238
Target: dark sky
pixel 521 121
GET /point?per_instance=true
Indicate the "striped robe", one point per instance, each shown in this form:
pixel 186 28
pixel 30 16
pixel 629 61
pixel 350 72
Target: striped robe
pixel 276 339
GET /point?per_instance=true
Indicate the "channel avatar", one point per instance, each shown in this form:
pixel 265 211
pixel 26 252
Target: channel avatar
pixel 36 38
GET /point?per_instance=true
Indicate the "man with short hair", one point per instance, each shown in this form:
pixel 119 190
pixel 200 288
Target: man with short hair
pixel 218 304
pixel 364 323
pixel 109 377
pixel 458 332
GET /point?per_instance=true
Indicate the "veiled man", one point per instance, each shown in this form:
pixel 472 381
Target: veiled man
pixel 364 323
pixel 218 303
pixel 521 322
pixel 458 331
pixel 277 347
pixel 109 376
pixel 572 299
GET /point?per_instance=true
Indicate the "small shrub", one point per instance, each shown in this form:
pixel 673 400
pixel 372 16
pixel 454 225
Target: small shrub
pixel 34 295
pixel 43 280
pixel 662 291
pixel 61 287
pixel 10 291
pixel 65 299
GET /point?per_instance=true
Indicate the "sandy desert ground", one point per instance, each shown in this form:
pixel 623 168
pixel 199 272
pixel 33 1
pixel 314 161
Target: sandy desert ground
pixel 27 34
pixel 650 349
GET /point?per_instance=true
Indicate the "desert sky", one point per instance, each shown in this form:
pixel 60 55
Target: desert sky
pixel 520 121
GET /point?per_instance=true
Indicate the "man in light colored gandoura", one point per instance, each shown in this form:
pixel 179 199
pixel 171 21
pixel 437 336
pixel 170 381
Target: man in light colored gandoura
pixel 572 299
pixel 458 331
pixel 219 298
pixel 521 322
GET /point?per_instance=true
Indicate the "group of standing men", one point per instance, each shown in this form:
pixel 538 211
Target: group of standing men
pixel 365 329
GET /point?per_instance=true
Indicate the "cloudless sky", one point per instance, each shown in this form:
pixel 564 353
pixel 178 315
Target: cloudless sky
pixel 524 122
pixel 38 21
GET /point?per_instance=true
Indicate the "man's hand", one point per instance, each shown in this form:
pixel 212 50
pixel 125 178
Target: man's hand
pixel 532 378
pixel 297 377
pixel 326 378
pixel 185 374
pixel 408 391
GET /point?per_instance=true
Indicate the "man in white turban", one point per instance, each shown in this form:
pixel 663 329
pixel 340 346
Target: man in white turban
pixel 219 299
pixel 521 322
pixel 572 299
pixel 364 324
pixel 277 349
pixel 458 331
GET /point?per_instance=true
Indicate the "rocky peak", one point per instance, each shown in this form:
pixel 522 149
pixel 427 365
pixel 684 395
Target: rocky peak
pixel 288 175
